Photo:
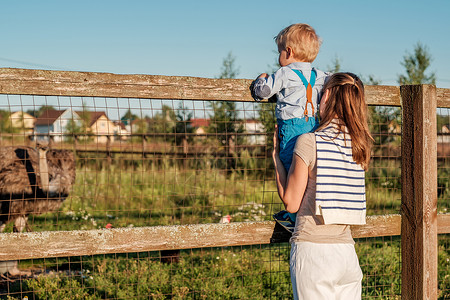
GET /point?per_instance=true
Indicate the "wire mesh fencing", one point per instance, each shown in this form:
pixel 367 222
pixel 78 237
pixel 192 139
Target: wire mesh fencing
pixel 246 272
pixel 140 163
pixel 151 162
pixel 443 192
pixel 383 178
pixel 380 261
pixel 166 162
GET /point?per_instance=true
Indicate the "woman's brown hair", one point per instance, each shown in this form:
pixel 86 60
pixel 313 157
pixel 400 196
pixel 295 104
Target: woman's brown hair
pixel 347 104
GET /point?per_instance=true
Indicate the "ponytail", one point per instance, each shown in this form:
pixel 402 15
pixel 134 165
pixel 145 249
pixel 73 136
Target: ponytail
pixel 346 103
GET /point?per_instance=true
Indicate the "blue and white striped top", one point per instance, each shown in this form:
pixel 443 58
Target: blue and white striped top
pixel 340 190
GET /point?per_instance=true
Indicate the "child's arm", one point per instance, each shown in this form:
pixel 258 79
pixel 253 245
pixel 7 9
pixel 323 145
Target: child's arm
pixel 263 75
pixel 266 86
pixel 253 90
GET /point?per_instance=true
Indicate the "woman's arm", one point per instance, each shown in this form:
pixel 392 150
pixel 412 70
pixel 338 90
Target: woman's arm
pixel 291 187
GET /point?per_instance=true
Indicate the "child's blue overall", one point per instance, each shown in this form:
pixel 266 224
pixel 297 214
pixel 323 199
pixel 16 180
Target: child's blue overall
pixel 290 130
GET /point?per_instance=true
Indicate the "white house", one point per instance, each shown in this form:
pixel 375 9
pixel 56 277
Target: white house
pixel 100 126
pixel 23 121
pixel 255 129
pixel 55 123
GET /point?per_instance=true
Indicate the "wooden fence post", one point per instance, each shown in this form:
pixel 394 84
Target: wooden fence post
pixel 419 192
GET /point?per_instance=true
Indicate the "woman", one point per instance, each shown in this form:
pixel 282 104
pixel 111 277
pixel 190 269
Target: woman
pixel 325 186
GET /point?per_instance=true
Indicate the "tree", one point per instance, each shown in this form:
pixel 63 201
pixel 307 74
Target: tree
pixel 416 65
pixel 229 70
pixel 164 122
pixel 73 129
pixel 272 68
pixel 40 111
pixel 223 122
pixel 183 125
pixel 370 80
pixel 81 127
pixel 128 117
pixel 85 120
pixel 267 118
pixel 5 122
pixel 384 124
pixel 225 115
pixel 384 121
pixel 335 65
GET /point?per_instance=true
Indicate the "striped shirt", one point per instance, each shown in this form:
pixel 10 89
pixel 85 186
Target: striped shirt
pixel 340 190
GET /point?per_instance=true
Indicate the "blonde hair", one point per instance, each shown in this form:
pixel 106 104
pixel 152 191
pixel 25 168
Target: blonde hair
pixel 303 40
pixel 346 103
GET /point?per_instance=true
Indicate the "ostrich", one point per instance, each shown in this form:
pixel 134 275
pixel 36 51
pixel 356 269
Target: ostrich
pixel 32 181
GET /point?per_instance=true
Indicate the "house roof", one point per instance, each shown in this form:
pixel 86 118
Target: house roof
pixel 18 113
pixel 200 123
pixel 93 116
pixel 120 124
pixel 49 117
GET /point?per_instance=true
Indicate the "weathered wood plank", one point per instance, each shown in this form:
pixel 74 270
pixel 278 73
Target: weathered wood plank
pixel 419 193
pixel 382 95
pixel 443 223
pixel 121 240
pixel 387 225
pixel 69 243
pixel 443 98
pixel 90 84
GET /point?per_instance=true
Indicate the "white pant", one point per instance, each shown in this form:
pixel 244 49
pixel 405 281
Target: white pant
pixel 325 271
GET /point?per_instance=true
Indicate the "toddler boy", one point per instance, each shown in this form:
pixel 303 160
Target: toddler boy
pixel 297 87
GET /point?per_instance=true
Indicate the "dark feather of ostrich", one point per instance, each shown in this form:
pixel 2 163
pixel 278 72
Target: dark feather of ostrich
pixel 20 181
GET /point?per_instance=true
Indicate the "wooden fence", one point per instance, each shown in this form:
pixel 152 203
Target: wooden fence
pixel 419 224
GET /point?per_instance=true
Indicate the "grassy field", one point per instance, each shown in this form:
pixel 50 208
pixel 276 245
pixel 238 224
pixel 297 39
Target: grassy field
pixel 147 193
pixel 220 273
pixel 147 196
pixel 163 193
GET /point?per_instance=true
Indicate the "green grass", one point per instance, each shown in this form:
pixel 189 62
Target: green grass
pixel 148 195
pixel 133 191
pixel 258 272
pixel 230 273
pixel 145 193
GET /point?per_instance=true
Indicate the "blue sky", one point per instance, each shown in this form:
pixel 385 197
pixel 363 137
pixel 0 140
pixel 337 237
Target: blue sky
pixel 191 38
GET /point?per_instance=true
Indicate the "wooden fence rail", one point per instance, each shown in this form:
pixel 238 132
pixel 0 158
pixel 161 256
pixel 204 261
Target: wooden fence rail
pixel 419 224
pixel 120 240
pixel 67 83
